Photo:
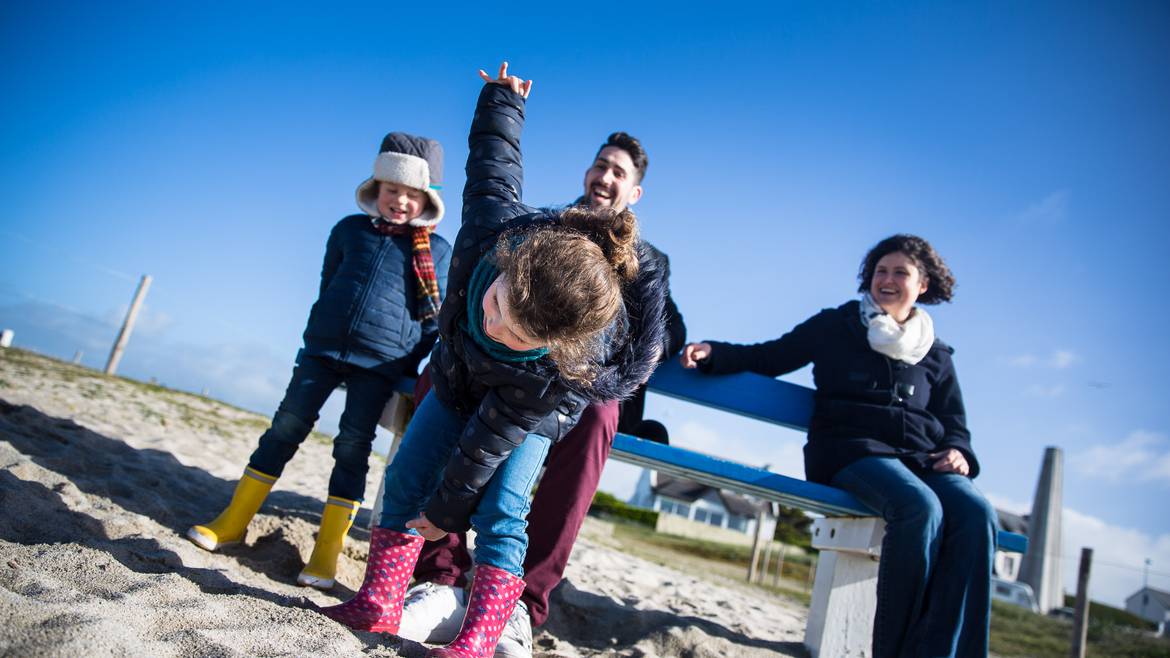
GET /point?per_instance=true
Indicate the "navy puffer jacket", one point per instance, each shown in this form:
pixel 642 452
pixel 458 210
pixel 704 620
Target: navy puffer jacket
pixel 367 310
pixel 866 404
pixel 504 402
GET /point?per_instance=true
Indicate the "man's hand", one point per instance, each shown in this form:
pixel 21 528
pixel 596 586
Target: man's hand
pixel 950 461
pixel 427 529
pixel 693 353
pixel 514 83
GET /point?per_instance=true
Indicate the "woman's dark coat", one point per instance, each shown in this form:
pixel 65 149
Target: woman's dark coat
pixel 367 310
pixel 866 404
pixel 504 402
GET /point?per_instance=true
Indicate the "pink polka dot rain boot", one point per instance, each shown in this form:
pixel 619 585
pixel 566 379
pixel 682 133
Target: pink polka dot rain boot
pixel 377 605
pixel 494 593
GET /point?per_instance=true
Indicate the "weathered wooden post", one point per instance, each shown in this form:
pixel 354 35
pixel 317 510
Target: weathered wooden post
pixel 127 325
pixel 1081 617
pixel 779 565
pixel 756 547
pixel 767 559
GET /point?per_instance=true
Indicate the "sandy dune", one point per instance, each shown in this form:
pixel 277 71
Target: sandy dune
pixel 99 478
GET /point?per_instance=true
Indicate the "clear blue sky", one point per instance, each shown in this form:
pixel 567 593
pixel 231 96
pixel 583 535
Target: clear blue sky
pixel 213 147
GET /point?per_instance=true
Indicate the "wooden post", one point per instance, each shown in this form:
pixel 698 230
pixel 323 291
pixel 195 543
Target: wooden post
pixel 767 559
pixel 779 565
pixel 1081 617
pixel 756 547
pixel 77 357
pixel 127 325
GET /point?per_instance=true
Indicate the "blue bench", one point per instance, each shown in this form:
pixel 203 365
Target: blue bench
pixel 849 536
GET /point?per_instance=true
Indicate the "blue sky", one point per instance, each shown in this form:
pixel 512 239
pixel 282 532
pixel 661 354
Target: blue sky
pixel 213 147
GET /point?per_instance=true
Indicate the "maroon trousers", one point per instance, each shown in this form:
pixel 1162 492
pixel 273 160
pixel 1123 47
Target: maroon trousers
pixel 566 489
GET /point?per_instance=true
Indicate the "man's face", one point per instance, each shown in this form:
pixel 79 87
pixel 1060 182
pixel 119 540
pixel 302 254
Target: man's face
pixel 612 181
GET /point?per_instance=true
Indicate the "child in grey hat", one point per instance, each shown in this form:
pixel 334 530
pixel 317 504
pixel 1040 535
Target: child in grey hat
pixel 374 320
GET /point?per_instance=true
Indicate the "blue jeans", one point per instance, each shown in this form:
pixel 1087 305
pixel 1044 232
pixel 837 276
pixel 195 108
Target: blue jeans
pixel 934 578
pixel 413 477
pixel 313 379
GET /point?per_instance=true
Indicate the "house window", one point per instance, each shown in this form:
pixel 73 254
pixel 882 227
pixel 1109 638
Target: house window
pixel 701 515
pixel 672 507
pixel 715 519
pixel 737 523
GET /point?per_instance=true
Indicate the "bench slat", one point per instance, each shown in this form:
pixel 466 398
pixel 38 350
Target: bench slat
pixel 745 394
pixel 766 485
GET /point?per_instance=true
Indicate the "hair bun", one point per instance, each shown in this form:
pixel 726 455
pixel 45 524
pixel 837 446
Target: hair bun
pixel 615 232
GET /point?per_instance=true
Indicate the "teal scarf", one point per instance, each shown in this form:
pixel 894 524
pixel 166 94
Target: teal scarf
pixel 481 279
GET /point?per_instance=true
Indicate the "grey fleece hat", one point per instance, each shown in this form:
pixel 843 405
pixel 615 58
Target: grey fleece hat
pixel 407 160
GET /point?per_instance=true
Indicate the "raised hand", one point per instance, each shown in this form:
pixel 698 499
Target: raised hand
pixel 514 83
pixel 693 353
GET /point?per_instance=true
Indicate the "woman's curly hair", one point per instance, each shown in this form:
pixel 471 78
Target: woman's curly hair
pixel 940 283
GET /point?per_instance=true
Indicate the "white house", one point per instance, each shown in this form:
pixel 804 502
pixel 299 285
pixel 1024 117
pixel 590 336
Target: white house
pixel 691 509
pixel 1151 604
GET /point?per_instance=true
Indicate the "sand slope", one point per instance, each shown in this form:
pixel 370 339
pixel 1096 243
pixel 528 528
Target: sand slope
pixel 100 477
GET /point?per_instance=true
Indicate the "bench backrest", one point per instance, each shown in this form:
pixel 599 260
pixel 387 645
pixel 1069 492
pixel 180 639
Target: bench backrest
pixel 755 396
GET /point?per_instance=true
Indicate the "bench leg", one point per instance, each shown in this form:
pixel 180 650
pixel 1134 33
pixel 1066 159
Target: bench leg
pixel 840 617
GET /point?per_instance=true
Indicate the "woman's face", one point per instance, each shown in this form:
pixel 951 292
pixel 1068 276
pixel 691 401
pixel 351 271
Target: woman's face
pixel 498 322
pixel 897 283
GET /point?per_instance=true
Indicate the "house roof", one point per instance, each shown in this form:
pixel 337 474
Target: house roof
pixel 1017 523
pixel 1163 598
pixel 690 491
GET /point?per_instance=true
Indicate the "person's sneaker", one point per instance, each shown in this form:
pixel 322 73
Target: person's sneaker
pixel 516 641
pixel 433 613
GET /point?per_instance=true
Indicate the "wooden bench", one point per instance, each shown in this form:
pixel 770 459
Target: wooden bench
pixel 849 536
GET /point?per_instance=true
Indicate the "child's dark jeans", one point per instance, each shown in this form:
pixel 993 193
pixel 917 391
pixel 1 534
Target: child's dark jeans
pixel 313 379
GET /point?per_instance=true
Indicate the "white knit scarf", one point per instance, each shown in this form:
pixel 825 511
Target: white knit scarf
pixel 909 341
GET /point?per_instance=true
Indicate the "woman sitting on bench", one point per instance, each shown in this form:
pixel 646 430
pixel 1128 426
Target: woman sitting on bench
pixel 889 427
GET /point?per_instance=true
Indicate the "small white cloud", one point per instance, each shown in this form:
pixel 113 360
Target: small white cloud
pixel 1052 209
pixel 1142 456
pixel 1062 359
pixel 1058 360
pixel 1021 360
pixel 1046 392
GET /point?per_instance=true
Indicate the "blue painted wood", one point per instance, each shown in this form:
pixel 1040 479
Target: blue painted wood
pixel 754 396
pixel 745 394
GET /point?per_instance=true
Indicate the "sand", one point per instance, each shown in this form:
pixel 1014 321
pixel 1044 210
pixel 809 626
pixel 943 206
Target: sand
pixel 101 476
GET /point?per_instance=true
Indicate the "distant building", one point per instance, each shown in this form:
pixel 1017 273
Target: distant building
pixel 691 509
pixel 1150 604
pixel 1007 565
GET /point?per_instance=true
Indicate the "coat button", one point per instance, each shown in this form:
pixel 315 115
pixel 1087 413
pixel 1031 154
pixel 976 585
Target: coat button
pixel 519 394
pixel 492 413
pixel 455 262
pixel 562 418
pixel 463 292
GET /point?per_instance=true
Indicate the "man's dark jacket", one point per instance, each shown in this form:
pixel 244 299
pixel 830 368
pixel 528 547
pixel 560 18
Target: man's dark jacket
pixel 504 402
pixel 866 404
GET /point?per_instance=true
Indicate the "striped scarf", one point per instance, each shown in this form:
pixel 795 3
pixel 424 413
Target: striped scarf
pixel 424 265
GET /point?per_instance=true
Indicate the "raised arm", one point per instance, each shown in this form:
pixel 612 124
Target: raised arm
pixel 495 171
pixel 773 358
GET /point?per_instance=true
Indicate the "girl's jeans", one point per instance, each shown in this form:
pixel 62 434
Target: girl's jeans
pixel 313 379
pixel 934 578
pixel 414 475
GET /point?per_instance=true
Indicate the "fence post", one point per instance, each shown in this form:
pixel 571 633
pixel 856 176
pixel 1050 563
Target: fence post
pixel 756 547
pixel 127 325
pixel 1081 618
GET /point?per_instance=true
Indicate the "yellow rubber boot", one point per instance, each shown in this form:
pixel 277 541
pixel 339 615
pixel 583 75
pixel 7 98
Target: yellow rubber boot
pixel 336 520
pixel 231 524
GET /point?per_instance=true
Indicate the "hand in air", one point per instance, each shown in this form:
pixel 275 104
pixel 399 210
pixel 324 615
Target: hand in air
pixel 693 353
pixel 427 529
pixel 514 83
pixel 950 461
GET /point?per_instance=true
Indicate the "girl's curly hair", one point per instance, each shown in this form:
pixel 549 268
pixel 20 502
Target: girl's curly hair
pixel 565 282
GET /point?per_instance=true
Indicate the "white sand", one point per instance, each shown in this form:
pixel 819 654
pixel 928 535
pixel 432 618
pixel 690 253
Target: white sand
pixel 100 477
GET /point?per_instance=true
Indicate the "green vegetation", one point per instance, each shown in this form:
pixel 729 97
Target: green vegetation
pixel 607 505
pixel 1019 632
